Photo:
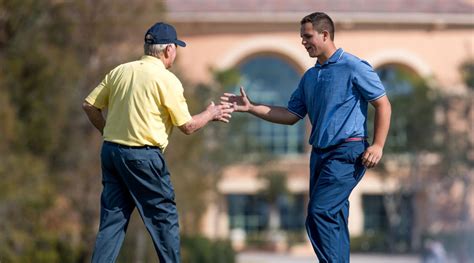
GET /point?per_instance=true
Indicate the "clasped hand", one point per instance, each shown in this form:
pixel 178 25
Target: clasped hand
pixel 228 104
pixel 221 112
pixel 237 103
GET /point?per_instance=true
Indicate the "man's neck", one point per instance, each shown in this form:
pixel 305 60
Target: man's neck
pixel 165 61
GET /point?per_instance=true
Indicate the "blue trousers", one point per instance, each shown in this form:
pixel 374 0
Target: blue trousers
pixel 334 172
pixel 136 177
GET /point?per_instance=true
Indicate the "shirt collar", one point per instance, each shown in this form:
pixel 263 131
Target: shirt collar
pixel 334 58
pixel 154 60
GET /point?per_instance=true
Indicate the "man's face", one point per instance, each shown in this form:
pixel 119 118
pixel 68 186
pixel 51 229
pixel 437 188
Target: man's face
pixel 312 40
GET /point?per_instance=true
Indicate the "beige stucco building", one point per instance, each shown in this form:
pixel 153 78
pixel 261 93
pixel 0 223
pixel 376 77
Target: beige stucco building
pixel 429 40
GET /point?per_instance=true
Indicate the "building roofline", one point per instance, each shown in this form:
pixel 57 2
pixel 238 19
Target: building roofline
pixel 339 17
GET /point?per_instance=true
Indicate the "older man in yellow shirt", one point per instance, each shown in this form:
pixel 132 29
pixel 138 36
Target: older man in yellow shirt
pixel 144 102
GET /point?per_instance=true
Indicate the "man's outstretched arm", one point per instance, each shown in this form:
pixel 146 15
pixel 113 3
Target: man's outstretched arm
pixel 269 113
pixel 383 111
pixel 211 113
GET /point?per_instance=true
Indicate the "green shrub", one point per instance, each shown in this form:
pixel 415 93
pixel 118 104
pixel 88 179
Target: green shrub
pixel 295 237
pixel 374 242
pixel 256 240
pixel 198 249
pixel 43 247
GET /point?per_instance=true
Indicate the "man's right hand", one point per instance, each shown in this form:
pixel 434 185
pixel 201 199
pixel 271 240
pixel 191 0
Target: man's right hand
pixel 238 103
pixel 220 112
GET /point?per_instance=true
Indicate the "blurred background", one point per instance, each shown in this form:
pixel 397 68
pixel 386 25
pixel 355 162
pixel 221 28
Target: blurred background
pixel 241 188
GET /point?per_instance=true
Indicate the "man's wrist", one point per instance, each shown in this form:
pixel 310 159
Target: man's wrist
pixel 209 115
pixel 251 108
pixel 378 144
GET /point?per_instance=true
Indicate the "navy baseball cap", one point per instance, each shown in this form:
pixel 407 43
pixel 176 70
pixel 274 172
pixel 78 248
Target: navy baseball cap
pixel 162 33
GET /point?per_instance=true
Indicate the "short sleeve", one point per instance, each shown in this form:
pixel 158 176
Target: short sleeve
pixel 367 81
pixel 99 97
pixel 296 104
pixel 173 99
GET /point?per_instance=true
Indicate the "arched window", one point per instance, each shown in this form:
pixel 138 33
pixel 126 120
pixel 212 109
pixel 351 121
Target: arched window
pixel 412 109
pixel 269 79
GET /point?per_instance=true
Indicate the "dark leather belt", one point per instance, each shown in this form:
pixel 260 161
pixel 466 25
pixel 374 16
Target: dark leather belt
pixel 131 147
pixel 332 147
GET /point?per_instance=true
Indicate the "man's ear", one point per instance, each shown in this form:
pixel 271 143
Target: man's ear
pixel 326 35
pixel 167 51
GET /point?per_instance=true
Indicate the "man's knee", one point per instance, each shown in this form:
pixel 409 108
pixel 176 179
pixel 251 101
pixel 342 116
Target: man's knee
pixel 320 218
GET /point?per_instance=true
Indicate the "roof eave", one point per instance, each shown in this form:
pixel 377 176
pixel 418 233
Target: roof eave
pixel 341 17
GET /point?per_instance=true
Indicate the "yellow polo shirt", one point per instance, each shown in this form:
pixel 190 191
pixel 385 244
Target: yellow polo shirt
pixel 144 101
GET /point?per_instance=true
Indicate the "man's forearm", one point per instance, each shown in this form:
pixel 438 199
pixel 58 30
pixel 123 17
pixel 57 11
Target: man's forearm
pixel 383 113
pixel 197 122
pixel 273 114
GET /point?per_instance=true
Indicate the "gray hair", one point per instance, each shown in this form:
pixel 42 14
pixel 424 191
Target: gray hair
pixel 154 49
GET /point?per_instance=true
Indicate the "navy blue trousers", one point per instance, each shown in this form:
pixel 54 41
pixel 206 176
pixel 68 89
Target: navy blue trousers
pixel 136 177
pixel 334 172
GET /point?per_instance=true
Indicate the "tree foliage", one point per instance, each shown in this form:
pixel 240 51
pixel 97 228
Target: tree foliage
pixel 52 53
pixel 467 72
pixel 430 135
pixel 196 161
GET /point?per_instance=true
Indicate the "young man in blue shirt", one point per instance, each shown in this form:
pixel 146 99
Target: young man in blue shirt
pixel 335 94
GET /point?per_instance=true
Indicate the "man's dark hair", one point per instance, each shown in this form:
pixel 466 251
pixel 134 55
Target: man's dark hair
pixel 321 22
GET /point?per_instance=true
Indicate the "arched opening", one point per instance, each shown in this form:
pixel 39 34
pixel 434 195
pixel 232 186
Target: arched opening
pixel 412 108
pixel 270 79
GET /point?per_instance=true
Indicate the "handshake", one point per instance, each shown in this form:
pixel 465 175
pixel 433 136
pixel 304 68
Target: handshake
pixel 229 103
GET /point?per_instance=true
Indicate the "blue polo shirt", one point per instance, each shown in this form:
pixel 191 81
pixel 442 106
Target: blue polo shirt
pixel 335 96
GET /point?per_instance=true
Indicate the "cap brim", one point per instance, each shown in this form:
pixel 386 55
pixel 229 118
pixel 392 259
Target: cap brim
pixel 180 43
